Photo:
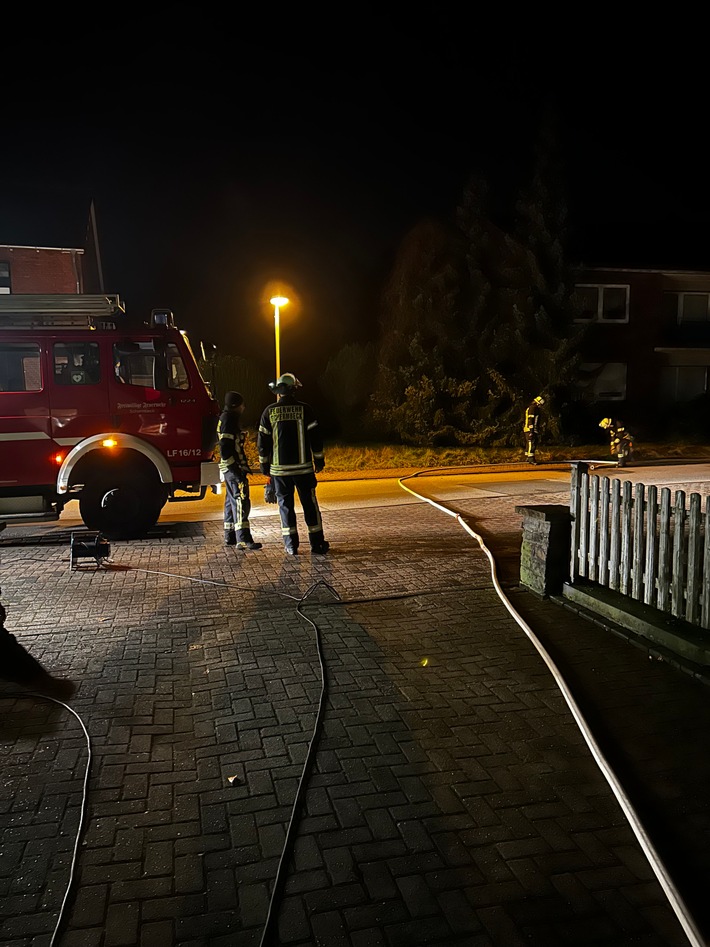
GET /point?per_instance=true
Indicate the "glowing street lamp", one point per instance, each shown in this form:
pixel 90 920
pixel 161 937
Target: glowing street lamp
pixel 277 302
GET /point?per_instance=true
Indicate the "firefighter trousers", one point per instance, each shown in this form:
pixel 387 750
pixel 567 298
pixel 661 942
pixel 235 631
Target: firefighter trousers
pixel 530 444
pixel 286 489
pixel 237 507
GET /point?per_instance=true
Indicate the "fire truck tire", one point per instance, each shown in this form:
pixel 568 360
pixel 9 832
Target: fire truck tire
pixel 123 505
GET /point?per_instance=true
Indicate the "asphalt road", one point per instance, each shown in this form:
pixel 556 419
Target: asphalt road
pixel 352 491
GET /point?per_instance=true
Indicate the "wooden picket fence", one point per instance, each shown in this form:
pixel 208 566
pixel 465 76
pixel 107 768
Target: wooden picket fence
pixel 640 542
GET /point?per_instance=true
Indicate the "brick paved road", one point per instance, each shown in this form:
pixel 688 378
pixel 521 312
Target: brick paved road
pixel 453 800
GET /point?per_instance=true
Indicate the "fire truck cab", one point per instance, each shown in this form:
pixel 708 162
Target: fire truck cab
pixel 117 417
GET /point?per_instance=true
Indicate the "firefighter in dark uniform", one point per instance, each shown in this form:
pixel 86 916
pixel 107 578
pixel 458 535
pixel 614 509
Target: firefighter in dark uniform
pixel 531 428
pixel 621 443
pixel 290 448
pixel 234 470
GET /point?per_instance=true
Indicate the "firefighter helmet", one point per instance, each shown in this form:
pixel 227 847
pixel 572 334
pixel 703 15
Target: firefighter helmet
pixel 605 423
pixel 233 399
pixel 539 399
pixel 285 383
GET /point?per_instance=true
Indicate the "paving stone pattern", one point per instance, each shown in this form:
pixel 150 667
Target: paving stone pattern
pixel 453 800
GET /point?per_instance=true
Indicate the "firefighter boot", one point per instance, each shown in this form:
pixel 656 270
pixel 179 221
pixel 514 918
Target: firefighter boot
pixel 247 542
pixel 319 547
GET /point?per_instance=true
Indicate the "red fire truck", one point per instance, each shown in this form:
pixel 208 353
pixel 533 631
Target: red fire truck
pixel 92 409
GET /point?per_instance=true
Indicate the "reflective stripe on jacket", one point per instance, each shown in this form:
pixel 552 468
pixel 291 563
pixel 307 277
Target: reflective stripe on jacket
pixel 231 443
pixel 289 438
pixel 532 418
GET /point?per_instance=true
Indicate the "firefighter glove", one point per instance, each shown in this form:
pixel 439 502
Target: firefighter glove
pixel 269 492
pixel 319 464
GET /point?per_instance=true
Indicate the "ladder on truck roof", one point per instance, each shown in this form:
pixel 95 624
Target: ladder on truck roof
pixel 28 311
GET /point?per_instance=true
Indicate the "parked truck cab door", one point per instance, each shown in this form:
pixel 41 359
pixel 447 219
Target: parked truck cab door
pixel 77 391
pixel 160 396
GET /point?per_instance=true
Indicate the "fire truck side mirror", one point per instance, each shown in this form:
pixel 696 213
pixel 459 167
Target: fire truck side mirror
pixel 127 347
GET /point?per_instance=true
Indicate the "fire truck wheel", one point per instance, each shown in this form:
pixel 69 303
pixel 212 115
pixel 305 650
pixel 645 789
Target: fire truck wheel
pixel 122 507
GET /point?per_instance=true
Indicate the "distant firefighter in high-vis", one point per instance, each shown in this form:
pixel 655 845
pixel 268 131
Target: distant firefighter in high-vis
pixel 531 428
pixel 621 442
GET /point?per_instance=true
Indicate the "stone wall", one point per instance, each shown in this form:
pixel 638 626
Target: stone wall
pixel 545 550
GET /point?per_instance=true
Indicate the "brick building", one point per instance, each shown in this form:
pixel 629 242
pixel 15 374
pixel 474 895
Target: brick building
pixel 49 246
pixel 646 348
pixel 41 270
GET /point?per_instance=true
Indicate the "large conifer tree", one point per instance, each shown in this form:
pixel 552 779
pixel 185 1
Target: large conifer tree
pixel 422 391
pixel 476 320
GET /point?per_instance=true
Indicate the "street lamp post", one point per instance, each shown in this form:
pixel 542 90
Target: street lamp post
pixel 277 302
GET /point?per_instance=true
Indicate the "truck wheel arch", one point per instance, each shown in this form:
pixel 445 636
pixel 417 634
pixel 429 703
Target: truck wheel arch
pixel 120 442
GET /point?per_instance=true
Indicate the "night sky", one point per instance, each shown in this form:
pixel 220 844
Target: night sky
pixel 227 160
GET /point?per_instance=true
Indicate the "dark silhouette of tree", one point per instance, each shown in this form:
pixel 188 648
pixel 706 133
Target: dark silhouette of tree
pixel 541 227
pixel 421 390
pixel 477 320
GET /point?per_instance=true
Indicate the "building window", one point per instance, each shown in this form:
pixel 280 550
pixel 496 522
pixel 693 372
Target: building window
pixel 688 307
pixel 4 277
pixel 599 381
pixel 601 303
pixel 683 382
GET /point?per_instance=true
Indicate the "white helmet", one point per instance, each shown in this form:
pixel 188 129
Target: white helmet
pixel 285 384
